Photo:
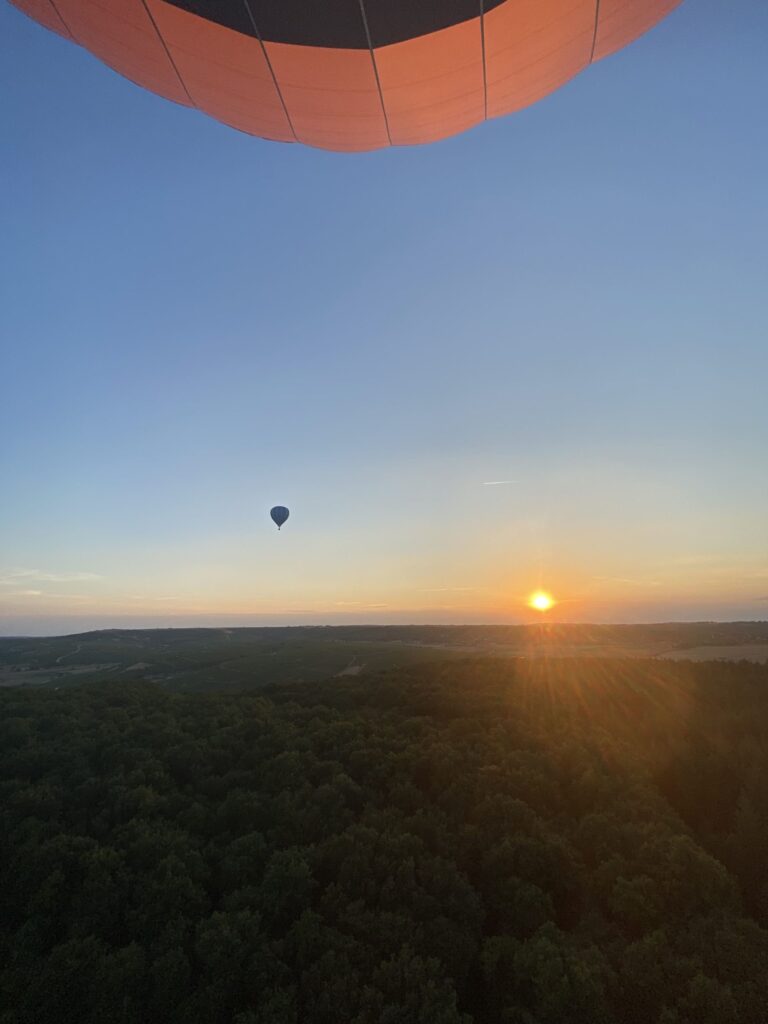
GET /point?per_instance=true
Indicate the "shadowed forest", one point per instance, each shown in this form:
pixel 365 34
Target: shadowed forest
pixel 569 841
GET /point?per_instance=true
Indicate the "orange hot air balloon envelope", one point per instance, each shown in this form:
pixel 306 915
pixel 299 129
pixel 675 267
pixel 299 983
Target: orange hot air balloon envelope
pixel 350 74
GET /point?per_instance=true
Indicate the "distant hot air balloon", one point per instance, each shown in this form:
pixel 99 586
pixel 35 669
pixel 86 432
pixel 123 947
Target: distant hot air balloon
pixel 279 515
pixel 350 74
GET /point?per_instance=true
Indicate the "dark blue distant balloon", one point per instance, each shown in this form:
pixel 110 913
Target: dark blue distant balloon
pixel 279 515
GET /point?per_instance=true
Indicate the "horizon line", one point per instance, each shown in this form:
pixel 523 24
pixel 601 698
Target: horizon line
pixel 394 625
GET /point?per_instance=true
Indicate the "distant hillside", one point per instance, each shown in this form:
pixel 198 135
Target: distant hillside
pixel 248 658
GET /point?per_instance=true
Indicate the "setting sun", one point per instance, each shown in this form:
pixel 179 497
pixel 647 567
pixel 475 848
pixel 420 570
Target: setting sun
pixel 541 601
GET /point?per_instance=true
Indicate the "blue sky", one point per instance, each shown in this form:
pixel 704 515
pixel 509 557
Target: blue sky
pixel 198 325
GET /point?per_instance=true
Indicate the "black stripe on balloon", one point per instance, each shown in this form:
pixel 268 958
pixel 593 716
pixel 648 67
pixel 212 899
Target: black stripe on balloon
pixel 337 23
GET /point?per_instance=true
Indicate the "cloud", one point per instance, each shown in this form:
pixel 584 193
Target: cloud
pixel 624 579
pixel 447 590
pixel 498 483
pixel 25 593
pixel 9 577
pixel 357 604
pixel 697 560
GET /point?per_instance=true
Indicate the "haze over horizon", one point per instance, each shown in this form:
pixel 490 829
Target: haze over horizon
pixel 67 626
pixel 530 356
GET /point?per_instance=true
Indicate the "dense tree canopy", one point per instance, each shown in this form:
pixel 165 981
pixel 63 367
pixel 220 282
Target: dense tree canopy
pixel 561 842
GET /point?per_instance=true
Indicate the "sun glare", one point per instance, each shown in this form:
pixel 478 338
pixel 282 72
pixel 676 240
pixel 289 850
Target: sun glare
pixel 541 601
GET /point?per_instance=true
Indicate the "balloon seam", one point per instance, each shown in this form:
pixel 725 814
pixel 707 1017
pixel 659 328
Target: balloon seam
pixel 485 70
pixel 168 53
pixel 280 96
pixel 594 34
pixel 61 18
pixel 375 70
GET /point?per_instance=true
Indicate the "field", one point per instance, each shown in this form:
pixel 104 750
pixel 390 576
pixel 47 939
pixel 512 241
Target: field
pixel 737 652
pixel 250 658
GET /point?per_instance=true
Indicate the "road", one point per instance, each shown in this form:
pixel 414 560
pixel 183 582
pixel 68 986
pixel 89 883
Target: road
pixel 69 655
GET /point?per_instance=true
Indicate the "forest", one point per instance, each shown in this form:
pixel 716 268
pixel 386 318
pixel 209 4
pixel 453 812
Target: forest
pixel 475 841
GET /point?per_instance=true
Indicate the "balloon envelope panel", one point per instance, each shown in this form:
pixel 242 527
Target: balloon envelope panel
pixel 350 74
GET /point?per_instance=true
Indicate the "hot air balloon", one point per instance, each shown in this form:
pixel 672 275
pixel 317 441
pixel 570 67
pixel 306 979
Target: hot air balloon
pixel 350 74
pixel 279 515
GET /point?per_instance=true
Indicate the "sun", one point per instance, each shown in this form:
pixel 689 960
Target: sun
pixel 541 601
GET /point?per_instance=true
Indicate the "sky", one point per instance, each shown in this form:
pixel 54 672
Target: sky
pixel 534 355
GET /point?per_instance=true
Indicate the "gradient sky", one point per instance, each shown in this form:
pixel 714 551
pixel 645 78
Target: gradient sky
pixel 197 325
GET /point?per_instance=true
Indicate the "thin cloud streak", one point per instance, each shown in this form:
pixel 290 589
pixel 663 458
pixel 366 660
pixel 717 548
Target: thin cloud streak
pixel 9 577
pixel 357 604
pixel 624 579
pixel 448 590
